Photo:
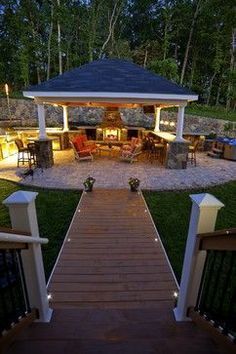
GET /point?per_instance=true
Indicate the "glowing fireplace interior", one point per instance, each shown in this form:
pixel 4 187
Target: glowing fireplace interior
pixel 111 134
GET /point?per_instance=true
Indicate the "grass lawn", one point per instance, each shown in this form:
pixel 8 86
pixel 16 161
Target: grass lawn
pixel 202 110
pixel 55 209
pixel 171 213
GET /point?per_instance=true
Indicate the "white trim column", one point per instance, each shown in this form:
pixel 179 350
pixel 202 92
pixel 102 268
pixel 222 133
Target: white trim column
pixel 65 119
pixel 180 123
pixel 157 119
pixel 204 212
pixel 21 205
pixel 42 123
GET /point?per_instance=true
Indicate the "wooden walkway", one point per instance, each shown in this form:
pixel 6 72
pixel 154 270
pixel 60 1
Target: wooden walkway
pixel 112 288
pixel 112 257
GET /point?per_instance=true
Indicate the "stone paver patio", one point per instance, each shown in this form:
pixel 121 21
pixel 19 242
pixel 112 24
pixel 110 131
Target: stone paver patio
pixel 112 173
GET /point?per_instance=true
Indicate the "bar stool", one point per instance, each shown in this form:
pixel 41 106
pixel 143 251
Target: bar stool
pixel 32 157
pixel 23 152
pixel 151 150
pixel 192 149
pixel 159 152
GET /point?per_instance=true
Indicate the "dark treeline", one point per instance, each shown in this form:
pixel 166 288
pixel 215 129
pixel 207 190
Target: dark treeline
pixel 192 42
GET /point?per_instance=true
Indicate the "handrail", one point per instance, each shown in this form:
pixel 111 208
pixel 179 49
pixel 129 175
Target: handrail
pixel 224 232
pixel 221 240
pixel 19 238
pixel 14 231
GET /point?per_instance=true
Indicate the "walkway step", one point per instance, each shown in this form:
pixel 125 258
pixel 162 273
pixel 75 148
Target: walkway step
pixel 112 256
pixel 124 331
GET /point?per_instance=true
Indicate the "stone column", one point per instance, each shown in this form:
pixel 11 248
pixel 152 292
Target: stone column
pixel 157 119
pixel 180 123
pixel 65 119
pixel 204 212
pixel 44 153
pixel 42 124
pixel 177 154
pixel 23 216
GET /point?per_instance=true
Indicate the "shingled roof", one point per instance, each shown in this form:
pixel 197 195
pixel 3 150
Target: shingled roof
pixel 110 76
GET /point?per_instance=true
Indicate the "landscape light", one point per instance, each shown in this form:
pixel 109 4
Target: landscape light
pixel 7 89
pixel 8 102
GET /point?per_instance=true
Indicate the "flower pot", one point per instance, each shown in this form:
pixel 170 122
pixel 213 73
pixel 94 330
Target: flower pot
pixel 133 189
pixel 88 189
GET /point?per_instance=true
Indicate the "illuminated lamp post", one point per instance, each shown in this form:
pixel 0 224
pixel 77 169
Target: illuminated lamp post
pixel 8 101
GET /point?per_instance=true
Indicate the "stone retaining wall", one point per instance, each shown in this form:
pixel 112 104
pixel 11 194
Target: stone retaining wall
pixel 24 113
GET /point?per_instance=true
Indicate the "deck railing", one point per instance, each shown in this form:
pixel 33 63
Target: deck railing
pixel 216 301
pixel 18 307
pixel 13 291
pixel 207 291
pixel 23 291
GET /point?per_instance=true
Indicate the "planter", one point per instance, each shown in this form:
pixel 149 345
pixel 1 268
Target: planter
pixel 134 184
pixel 88 189
pixel 88 184
pixel 133 189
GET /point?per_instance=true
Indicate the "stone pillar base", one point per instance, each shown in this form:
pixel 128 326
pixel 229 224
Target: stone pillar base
pixel 177 155
pixel 44 154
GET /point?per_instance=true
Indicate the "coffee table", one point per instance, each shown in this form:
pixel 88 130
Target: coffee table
pixel 109 151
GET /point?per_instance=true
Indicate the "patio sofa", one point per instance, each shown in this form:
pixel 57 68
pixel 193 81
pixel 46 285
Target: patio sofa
pixel 83 149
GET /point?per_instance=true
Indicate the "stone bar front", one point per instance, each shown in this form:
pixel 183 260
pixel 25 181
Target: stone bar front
pixel 176 151
pixel 44 154
pixel 177 155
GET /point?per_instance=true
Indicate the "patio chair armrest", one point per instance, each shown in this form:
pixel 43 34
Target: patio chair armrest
pixel 84 151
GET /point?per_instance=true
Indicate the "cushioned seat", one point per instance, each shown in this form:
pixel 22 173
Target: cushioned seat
pixel 131 156
pixel 82 149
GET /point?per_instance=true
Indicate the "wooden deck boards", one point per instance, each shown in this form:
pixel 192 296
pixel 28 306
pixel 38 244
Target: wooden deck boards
pixel 112 257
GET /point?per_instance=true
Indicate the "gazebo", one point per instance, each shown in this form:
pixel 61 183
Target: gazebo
pixel 114 83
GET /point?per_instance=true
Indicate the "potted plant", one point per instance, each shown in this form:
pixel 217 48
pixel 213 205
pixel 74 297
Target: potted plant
pixel 134 184
pixel 88 184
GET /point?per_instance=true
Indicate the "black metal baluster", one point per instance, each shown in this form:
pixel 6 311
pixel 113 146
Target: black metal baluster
pixel 202 283
pixel 23 282
pixel 215 285
pixel 203 307
pixel 10 298
pixel 4 313
pixel 16 286
pixel 230 323
pixel 225 284
pixel 13 293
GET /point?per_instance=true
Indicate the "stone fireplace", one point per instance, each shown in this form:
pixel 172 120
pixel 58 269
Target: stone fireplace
pixel 112 124
pixel 111 134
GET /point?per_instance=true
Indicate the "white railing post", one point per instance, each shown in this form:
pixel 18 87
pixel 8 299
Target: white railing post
pixel 23 216
pixel 203 218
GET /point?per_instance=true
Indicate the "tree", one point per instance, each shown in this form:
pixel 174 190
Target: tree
pixel 167 68
pixel 195 15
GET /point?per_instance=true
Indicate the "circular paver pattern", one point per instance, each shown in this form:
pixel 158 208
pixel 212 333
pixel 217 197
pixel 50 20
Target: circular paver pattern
pixel 112 173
